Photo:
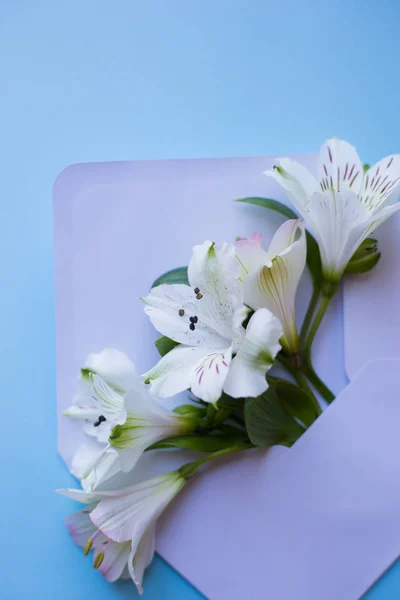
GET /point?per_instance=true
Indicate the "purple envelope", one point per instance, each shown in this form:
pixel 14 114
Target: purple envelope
pixel 318 521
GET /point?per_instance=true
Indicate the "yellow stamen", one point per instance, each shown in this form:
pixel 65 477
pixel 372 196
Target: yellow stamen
pixel 87 547
pixel 98 560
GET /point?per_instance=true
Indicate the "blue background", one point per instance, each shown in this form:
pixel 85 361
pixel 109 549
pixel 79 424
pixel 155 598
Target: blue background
pixel 94 80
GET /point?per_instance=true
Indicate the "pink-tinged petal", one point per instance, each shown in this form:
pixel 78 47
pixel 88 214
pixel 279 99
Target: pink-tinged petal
pixel 80 527
pixel 381 183
pixel 127 516
pixel 340 167
pixel 141 559
pixel 115 559
pixel 251 255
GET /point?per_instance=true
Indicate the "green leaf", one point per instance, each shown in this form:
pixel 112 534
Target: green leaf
pixel 313 254
pixel 188 410
pixel 314 260
pixel 268 423
pixel 271 204
pixel 296 402
pixel 165 344
pixel 230 403
pixel 200 443
pixel 178 275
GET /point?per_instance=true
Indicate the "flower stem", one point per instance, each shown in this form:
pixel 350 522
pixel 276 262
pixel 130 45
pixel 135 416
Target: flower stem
pixel 190 469
pixel 319 385
pixel 310 312
pixel 325 300
pixel 308 368
pixel 301 380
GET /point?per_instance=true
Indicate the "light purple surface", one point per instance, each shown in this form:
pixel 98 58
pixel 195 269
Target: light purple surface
pixel 117 227
pixel 372 304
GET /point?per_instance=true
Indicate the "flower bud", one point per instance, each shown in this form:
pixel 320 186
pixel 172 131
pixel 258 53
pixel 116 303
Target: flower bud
pixel 364 258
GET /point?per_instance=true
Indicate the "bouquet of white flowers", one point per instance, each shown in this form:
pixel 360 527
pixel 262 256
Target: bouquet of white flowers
pixel 229 336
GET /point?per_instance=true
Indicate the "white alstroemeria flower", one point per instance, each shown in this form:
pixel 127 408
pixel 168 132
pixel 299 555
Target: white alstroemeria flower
pixel 271 277
pixel 344 205
pixel 127 519
pixel 206 319
pixel 102 385
pixel 112 559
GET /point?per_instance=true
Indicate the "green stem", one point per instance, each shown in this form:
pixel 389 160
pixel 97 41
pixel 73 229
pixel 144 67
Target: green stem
pixel 190 469
pixel 319 385
pixel 325 300
pixel 302 381
pixel 310 312
pixel 308 368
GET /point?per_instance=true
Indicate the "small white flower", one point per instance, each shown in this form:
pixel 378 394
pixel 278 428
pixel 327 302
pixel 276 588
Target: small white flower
pixel 121 527
pixel 206 319
pixel 115 400
pixel 344 205
pixel 271 277
pixel 102 385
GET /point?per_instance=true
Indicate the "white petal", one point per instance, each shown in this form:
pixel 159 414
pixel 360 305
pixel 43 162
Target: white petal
pixel 127 516
pixel 164 306
pixel 85 456
pixel 81 495
pixel 340 167
pixel 251 255
pixel 141 559
pixel 337 221
pixel 275 287
pixel 255 356
pixel 381 184
pixel 380 217
pixel 285 237
pixel 210 374
pixel 147 423
pixel 215 271
pixel 115 560
pixel 80 527
pixel 109 402
pixel 174 372
pixel 104 466
pixel 296 180
pixel 113 366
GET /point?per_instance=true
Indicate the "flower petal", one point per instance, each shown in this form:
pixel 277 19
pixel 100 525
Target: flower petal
pixel 340 167
pixel 114 367
pixel 141 559
pixel 127 516
pixel 210 374
pixel 147 423
pixel 85 456
pixel 170 308
pixel 255 356
pixel 337 221
pixel 381 183
pixel 380 217
pixel 214 270
pixel 275 287
pixel 105 465
pixel 251 255
pixel 174 372
pixel 115 559
pixel 80 527
pixel 296 180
